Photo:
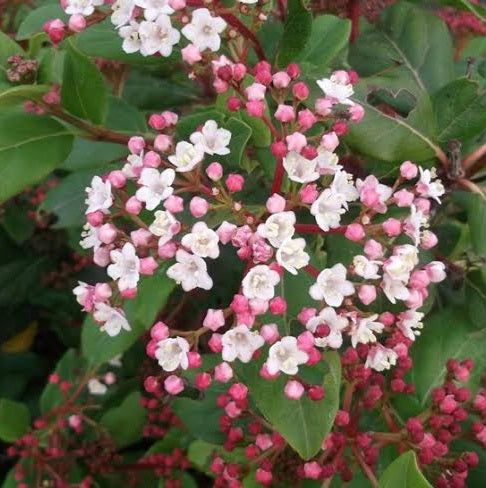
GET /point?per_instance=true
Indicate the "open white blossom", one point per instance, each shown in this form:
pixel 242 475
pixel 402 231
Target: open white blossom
pixel 300 169
pixel 158 36
pixel 83 7
pixel 125 267
pixel 285 356
pixel 260 283
pixel 343 188
pixel 214 140
pixel 164 226
pixel 171 353
pixel 204 30
pixel 99 196
pixel 113 319
pixel 131 38
pixel 380 358
pixel 153 8
pixel 96 387
pixel 327 210
pixel 133 166
pixel 190 272
pixel 90 237
pixel 187 156
pixel 122 12
pixel 292 256
pixel 363 329
pixel 202 241
pixel 429 185
pixel 327 162
pixel 335 88
pixel 240 343
pixel 413 224
pixel 410 323
pixel 278 227
pixel 366 268
pixel 394 289
pixel 156 186
pixel 336 323
pixel 332 286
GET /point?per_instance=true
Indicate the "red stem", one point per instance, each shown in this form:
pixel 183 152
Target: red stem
pixel 278 177
pixel 353 11
pixel 312 271
pixel 315 229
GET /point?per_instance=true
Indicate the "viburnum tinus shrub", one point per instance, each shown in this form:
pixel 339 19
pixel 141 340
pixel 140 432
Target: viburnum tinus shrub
pixel 280 268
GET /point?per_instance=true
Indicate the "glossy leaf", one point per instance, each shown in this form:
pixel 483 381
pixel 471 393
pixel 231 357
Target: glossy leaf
pixel 36 18
pixel 14 420
pixel 8 47
pixel 475 207
pixel 240 134
pixel 403 473
pixel 19 94
pixel 87 154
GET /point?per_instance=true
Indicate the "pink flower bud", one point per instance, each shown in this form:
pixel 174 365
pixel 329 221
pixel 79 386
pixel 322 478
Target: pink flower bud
pixel 305 341
pixel 220 86
pixel 263 476
pixel 151 160
pixel 191 53
pixel 234 182
pixel 245 318
pixel 312 470
pixel 171 118
pixel 151 348
pixel 296 141
pixel 173 384
pixel 330 141
pixel 436 271
pixel 308 194
pixel 55 29
pixel 392 227
pixel 101 256
pixel 225 232
pixel 428 240
pixel 285 113
pixel 117 179
pixel 278 306
pixel 95 218
pixel 367 294
pixel 133 206
pixel 159 331
pixel 279 149
pixel 232 410
pixel 255 108
pixel 306 314
pixel 258 307
pixel 355 232
pixel 314 357
pixel 238 391
pixel 214 319
pixel 223 372
pixel 300 91
pixel 256 91
pixel 156 121
pixel 266 375
pixel 340 127
pixel 353 77
pixel 214 171
pixel 234 104
pixel 448 404
pixel 306 119
pixel 373 249
pixel 269 332
pixel 140 237
pixel 419 279
pixel 129 293
pixel 293 70
pixel 281 80
pixel 423 205
pixel 415 299
pixel 109 378
pixel 163 142
pixel 167 250
pixel 148 266
pixel 264 77
pixel 136 144
pixel 102 291
pixel 263 441
pixel 356 113
pixel 342 418
pixel 174 204
pixel 198 207
pixel 107 233
pixel 323 106
pixel 203 381
pixel 215 343
pixel 177 4
pixel 77 23
pixel 276 203
pixel 75 422
pixel 293 390
pixel 408 170
pixel 403 198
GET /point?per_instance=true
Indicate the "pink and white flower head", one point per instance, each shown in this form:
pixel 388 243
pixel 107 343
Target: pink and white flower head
pixel 187 156
pixel 366 268
pixel 331 286
pixel 213 139
pixel 381 358
pixel 363 330
pixel 112 319
pixel 373 194
pixel 155 186
pixel 336 323
pixel 99 196
pixel 410 323
pixel 190 272
pixel 260 282
pixel 240 343
pixel 285 356
pixel 125 267
pixel 429 185
pixel 327 162
pixel 278 227
pixel 299 168
pixel 171 353
pixel 204 30
pixel 122 12
pixel 291 255
pixel 337 87
pixel 158 36
pixel 202 241
pixel 165 226
pixel 327 210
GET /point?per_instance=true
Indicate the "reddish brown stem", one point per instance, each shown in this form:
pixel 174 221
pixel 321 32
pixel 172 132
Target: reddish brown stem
pixel 366 469
pixel 315 229
pixel 312 271
pixel 353 12
pixel 278 177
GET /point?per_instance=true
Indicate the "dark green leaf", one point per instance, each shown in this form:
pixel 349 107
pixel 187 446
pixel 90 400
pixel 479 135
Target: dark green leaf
pixel 92 154
pixel 475 207
pixel 8 47
pixel 37 18
pixel 190 123
pixel 403 473
pixel 123 117
pixel 14 420
pixel 18 94
pixel 30 148
pixel 240 134
pixel 17 223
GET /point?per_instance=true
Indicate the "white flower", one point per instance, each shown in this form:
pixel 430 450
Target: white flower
pixel 190 272
pixel 332 286
pixel 291 255
pixel 116 361
pixel 413 224
pixel 394 289
pixel 240 342
pixel 380 358
pixel 248 2
pixel 400 265
pixel 113 319
pixel 96 387
pixel 333 87
pixel 155 186
pixel 153 8
pixel 171 353
pixel 300 169
pixel 336 323
pixel 164 226
pixel 327 210
pixel 278 227
pixel 366 268
pixel 187 156
pixel 362 331
pixel 327 162
pixel 260 283
pixel 428 186
pixel 202 241
pixel 131 38
pixel 99 196
pixel 83 7
pixel 214 140
pixel 204 30
pixel 343 187
pixel 408 322
pixel 158 36
pixel 285 356
pixel 125 267
pixel 90 237
pixel 134 165
pixel 122 12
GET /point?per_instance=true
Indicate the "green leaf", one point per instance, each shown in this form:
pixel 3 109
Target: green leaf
pixel 18 94
pixel 18 225
pixel 297 31
pixel 153 291
pixel 329 35
pixel 260 133
pixel 34 21
pixel 460 108
pixel 83 91
pixel 240 134
pixel 125 422
pixel 190 123
pixel 30 148
pixel 403 473
pixel 475 207
pixel 8 47
pixel 88 154
pixel 408 48
pixel 125 118
pixel 303 423
pixel 475 291
pixel 447 334
pixel 14 420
